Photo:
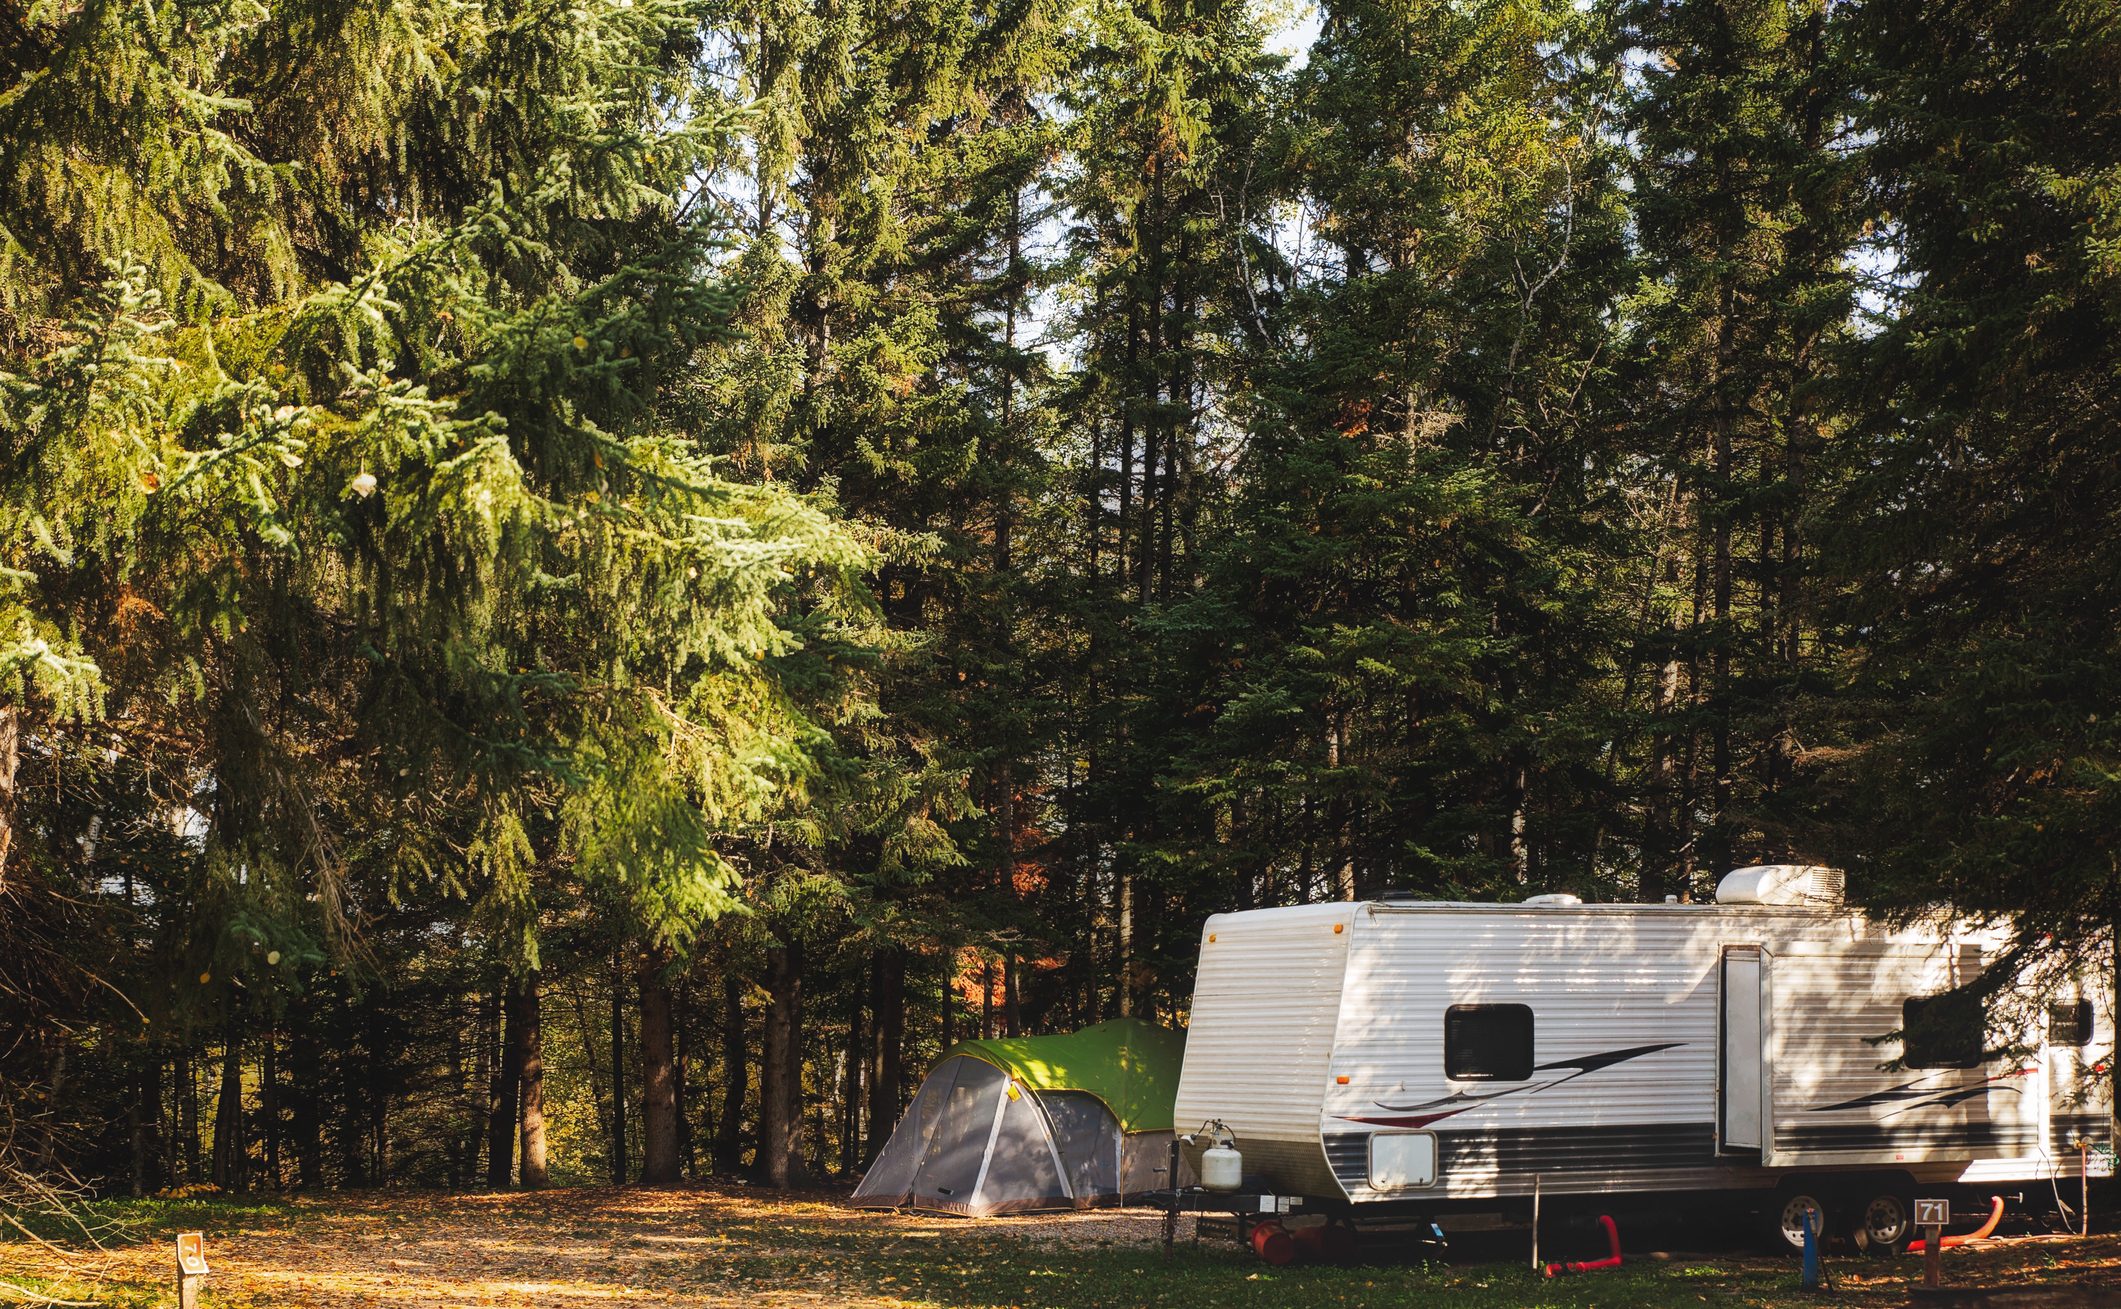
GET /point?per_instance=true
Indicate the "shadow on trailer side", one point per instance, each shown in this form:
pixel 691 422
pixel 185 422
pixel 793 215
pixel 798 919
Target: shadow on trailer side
pixel 1775 1055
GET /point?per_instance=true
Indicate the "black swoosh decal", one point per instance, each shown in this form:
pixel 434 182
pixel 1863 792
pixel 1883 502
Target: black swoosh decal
pixel 1928 1097
pixel 1591 1063
pixel 1414 1115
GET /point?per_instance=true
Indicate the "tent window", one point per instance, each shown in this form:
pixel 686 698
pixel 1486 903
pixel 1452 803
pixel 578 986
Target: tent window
pixel 1487 1043
pixel 2070 1024
pixel 1942 1031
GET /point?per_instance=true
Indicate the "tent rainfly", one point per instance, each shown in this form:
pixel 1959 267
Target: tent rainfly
pixel 1035 1122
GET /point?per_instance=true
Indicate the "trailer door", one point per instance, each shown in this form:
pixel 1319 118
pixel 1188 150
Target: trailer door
pixel 1741 1070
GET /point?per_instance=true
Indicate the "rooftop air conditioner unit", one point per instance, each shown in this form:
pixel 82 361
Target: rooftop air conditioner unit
pixel 1783 884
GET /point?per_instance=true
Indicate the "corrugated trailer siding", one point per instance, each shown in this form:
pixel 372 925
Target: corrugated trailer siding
pixel 1595 983
pixel 1832 1003
pixel 1285 1006
pixel 1609 979
pixel 1265 1003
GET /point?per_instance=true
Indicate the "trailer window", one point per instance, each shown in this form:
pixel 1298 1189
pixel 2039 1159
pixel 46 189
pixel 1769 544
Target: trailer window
pixel 1943 1031
pixel 1399 1160
pixel 2070 1024
pixel 1487 1043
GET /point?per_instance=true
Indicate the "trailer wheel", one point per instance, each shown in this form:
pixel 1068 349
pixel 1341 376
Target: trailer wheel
pixel 1882 1225
pixel 1786 1215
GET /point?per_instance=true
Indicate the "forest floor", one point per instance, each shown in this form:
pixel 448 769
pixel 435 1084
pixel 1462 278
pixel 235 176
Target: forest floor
pixel 711 1246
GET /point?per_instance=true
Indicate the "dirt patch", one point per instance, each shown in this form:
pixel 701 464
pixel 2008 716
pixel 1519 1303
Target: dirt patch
pixel 728 1246
pixel 592 1245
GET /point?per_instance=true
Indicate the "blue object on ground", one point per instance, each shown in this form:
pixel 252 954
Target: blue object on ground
pixel 1809 1280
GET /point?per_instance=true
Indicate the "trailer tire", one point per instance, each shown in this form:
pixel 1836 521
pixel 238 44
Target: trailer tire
pixel 1881 1221
pixel 1783 1228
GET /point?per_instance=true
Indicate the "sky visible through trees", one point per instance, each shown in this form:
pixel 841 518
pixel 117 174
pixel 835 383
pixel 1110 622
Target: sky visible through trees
pixel 585 587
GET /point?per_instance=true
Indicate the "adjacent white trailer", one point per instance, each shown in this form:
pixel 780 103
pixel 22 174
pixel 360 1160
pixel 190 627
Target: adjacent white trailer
pixel 1431 1057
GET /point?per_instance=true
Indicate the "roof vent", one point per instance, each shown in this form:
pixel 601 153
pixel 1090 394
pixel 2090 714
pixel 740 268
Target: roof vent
pixel 1783 884
pixel 1553 899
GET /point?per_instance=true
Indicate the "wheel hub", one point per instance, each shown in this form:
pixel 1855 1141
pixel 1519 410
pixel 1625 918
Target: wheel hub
pixel 1794 1215
pixel 1885 1220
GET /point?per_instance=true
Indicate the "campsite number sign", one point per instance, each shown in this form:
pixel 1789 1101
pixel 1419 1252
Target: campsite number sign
pixel 1931 1216
pixel 191 1266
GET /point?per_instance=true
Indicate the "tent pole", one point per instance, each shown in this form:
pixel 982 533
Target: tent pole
pixel 1001 1103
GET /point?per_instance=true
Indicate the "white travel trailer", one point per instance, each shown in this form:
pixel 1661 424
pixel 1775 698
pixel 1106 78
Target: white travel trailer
pixel 1430 1058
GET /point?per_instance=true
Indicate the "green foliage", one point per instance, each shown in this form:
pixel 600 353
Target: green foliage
pixel 916 505
pixel 1976 560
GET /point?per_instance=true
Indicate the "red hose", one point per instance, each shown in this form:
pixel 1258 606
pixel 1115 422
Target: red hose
pixel 1995 1215
pixel 1612 1237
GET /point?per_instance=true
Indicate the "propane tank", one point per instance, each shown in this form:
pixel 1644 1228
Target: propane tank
pixel 1222 1168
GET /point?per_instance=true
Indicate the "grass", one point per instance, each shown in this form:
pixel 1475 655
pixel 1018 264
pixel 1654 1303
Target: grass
pixel 728 1246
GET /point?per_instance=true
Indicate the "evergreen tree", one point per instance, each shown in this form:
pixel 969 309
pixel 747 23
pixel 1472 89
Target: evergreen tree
pixel 1404 638
pixel 1976 544
pixel 1738 130
pixel 887 195
pixel 1169 104
pixel 413 586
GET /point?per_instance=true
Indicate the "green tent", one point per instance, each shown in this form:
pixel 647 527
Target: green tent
pixel 1035 1122
pixel 1130 1065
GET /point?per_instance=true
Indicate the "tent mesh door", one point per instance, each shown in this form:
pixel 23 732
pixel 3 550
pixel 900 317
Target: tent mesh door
pixel 889 1180
pixel 1088 1137
pixel 1023 1172
pixel 957 1143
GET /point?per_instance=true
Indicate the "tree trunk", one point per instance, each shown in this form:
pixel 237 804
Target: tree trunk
pixel 887 1007
pixel 1718 837
pixel 659 1098
pixel 486 1021
pixel 854 1075
pixel 949 998
pixel 1012 1009
pixel 681 1071
pixel 147 1124
pixel 379 1093
pixel 1126 944
pixel 781 1090
pixel 506 1097
pixel 618 1066
pixel 54 1097
pixel 230 1155
pixel 269 1102
pixel 736 1078
pixel 529 1031
pixel 10 761
pixel 305 1058
pixel 187 1117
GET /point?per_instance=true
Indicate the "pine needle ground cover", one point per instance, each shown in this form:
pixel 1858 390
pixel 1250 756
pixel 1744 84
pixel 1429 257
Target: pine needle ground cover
pixel 698 1246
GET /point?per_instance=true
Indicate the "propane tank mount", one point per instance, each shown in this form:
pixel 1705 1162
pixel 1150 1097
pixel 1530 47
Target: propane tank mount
pixel 1222 1168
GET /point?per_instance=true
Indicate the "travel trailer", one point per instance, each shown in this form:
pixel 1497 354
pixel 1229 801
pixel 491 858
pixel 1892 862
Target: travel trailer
pixel 1434 1059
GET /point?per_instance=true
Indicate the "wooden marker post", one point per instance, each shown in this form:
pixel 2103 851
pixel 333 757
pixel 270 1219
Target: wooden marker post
pixel 191 1268
pixel 2084 1185
pixel 1931 1216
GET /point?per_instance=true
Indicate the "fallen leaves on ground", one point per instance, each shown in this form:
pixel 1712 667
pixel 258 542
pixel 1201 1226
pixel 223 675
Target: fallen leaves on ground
pixel 729 1246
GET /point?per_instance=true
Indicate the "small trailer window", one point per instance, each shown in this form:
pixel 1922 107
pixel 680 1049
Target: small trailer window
pixel 1399 1160
pixel 2070 1024
pixel 1487 1043
pixel 1943 1031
